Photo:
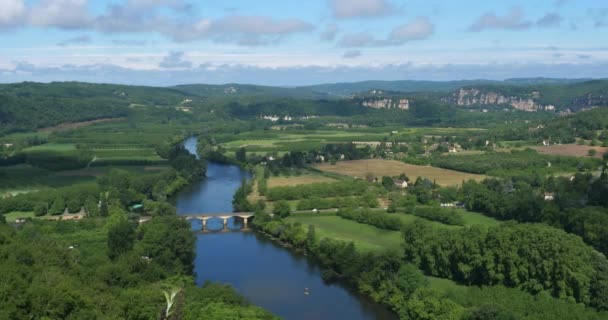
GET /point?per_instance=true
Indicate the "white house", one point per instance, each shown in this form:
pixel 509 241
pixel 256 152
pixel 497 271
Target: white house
pixel 400 183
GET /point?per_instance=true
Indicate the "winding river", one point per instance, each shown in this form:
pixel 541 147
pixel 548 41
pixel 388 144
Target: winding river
pixel 265 273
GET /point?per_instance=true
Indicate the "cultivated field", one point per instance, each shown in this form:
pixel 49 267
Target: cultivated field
pixel 571 150
pixel 297 180
pixel 379 168
pixel 365 237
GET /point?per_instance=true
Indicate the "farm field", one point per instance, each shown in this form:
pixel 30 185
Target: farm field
pixel 26 178
pixel 571 150
pixel 277 141
pixel 298 180
pixel 13 216
pixel 365 237
pixel 56 147
pixel 379 168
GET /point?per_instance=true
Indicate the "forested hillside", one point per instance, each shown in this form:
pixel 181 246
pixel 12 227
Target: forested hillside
pixel 30 106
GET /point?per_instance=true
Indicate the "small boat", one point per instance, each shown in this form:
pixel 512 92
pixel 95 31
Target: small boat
pixel 306 291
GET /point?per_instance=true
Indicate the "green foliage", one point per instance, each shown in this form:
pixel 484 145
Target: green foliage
pixel 430 304
pixel 514 163
pixel 376 219
pixel 58 206
pixel 281 209
pixel 60 270
pixel 319 190
pixel 552 261
pixel 121 237
pixel 446 216
pixel 168 240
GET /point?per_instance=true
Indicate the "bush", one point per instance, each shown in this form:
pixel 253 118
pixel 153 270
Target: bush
pixel 377 219
pixel 446 216
pixel 58 206
pixel 40 209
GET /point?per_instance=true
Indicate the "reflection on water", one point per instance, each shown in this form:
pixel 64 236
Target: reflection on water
pixel 265 273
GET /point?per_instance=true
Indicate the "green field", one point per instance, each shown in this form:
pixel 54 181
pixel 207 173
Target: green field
pixel 303 141
pixel 57 147
pixel 25 178
pixel 12 216
pixel 365 237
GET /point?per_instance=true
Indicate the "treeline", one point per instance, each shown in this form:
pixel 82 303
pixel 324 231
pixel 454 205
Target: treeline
pixel 367 200
pixel 578 205
pixel 377 219
pixel 54 201
pixel 443 215
pixel 584 125
pixel 514 162
pixel 318 190
pixel 530 256
pixel 117 188
pixel 294 108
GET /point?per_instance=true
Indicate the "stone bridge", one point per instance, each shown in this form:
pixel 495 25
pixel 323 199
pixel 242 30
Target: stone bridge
pixel 204 217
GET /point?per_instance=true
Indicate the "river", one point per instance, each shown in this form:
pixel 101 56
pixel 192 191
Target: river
pixel 265 273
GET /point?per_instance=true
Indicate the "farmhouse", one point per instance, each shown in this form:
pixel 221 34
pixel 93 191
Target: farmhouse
pixel 400 183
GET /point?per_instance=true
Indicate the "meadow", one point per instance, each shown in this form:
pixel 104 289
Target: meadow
pixel 280 181
pixel 574 150
pixel 380 167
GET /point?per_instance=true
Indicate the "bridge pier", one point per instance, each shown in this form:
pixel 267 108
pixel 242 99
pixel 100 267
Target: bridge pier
pixel 225 228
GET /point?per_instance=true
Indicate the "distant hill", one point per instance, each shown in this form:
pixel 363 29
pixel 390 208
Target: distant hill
pixel 247 90
pixel 30 105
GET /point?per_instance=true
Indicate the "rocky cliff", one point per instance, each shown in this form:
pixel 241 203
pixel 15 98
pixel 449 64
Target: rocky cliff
pixel 386 103
pixel 473 96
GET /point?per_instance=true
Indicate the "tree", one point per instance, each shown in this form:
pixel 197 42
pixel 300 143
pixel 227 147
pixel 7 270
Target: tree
pixel 387 182
pixel 311 236
pixel 40 209
pixel 241 155
pixel 73 205
pixel 430 304
pixel 121 236
pixel 169 241
pixel 58 206
pixel 103 206
pixel 592 152
pixel 281 209
pixel 90 206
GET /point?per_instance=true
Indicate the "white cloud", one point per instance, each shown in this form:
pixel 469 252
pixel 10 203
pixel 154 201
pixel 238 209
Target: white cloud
pixel 11 13
pixel 65 14
pixel 417 29
pixel 171 18
pixel 420 28
pixel 512 20
pixel 344 9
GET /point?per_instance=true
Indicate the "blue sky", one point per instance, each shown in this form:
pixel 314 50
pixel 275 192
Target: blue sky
pixel 166 42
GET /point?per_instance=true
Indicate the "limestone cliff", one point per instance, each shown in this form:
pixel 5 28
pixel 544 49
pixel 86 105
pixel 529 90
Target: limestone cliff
pixel 473 96
pixel 386 103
